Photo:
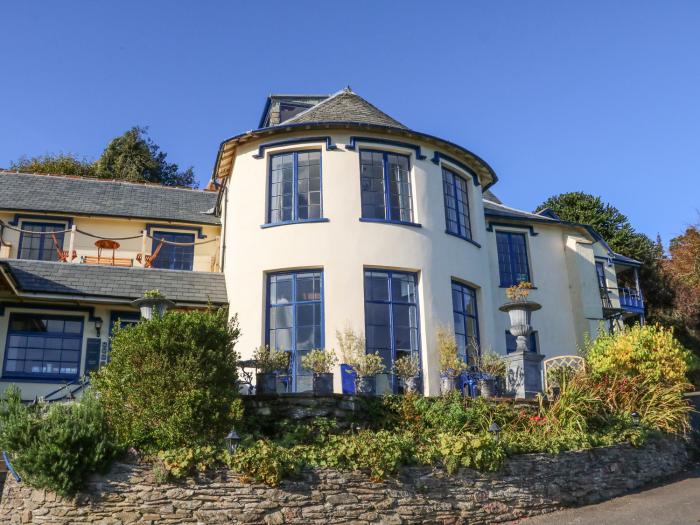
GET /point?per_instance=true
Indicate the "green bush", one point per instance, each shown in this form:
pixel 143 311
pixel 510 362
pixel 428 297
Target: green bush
pixel 171 381
pixel 265 462
pixel 56 446
pixel 650 351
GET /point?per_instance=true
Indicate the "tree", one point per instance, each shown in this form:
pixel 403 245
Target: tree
pixel 684 269
pixel 63 164
pixel 135 157
pixel 617 231
pixel 132 156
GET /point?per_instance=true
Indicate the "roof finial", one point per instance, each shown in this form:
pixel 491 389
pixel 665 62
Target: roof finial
pixel 348 89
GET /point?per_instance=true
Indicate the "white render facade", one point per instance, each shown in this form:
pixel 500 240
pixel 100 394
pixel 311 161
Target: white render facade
pixel 331 214
pixel 357 252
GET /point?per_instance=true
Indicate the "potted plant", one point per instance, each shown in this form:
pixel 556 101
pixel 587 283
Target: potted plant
pixel 352 346
pixel 407 368
pixel 492 368
pixel 367 367
pixel 520 310
pixel 321 363
pixel 268 363
pixel 153 302
pixel 451 366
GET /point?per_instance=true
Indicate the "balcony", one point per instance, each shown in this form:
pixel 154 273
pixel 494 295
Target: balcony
pixel 631 300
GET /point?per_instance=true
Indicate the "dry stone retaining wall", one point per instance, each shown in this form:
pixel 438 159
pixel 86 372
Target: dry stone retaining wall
pixel 526 485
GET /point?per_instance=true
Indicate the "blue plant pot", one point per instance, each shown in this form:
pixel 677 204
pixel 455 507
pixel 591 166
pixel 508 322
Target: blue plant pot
pixel 348 377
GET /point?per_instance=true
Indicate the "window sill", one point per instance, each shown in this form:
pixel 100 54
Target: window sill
pixel 385 221
pixel 285 223
pixel 463 238
pixel 25 379
pixel 505 287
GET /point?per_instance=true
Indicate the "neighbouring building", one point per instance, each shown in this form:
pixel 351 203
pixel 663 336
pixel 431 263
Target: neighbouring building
pixel 330 214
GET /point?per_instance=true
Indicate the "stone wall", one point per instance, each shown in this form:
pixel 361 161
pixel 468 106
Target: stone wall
pixel 526 485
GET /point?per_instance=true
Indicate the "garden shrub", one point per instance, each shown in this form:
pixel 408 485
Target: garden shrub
pixel 171 381
pixel 481 452
pixel 56 446
pixel 265 462
pixel 188 461
pixel 650 351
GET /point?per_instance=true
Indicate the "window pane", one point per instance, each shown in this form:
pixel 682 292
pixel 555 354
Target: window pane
pixel 35 346
pixel 466 321
pixel 295 182
pixel 173 256
pixel 512 258
pixel 372 184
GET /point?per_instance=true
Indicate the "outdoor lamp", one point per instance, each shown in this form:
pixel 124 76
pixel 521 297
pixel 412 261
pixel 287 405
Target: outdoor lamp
pixel 98 326
pixel 636 418
pixel 232 440
pixel 495 430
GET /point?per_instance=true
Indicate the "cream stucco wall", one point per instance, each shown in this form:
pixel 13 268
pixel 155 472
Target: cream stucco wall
pixel 206 255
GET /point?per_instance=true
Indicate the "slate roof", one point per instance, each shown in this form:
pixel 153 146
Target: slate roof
pixel 345 106
pixel 114 282
pixel 494 209
pixel 81 196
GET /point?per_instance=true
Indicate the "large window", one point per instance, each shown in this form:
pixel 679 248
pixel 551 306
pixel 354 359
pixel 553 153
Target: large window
pixel 512 258
pixel 466 320
pixel 386 186
pixel 43 346
pixel 456 204
pixel 295 320
pixel 295 187
pixel 391 318
pixel 40 247
pixel 174 256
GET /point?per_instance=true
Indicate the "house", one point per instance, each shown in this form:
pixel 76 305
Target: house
pixel 330 214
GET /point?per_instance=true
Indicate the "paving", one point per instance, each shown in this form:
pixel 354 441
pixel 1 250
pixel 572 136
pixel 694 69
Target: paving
pixel 676 502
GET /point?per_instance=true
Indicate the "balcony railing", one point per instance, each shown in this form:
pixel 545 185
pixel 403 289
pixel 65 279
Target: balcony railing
pixel 631 300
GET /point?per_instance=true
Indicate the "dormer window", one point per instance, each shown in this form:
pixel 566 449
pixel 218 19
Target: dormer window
pixel 288 110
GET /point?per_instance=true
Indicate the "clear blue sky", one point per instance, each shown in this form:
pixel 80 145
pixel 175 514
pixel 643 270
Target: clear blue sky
pixel 597 96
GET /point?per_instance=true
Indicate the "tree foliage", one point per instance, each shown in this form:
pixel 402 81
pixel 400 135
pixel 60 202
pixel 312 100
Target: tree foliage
pixel 684 269
pixel 171 381
pixel 132 156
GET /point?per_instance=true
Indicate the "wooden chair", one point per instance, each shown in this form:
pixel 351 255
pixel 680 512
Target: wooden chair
pixel 150 259
pixel 62 254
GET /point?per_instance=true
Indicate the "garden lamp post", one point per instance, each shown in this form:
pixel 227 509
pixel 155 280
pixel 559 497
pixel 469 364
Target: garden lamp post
pixel 495 430
pixel 232 441
pixel 636 418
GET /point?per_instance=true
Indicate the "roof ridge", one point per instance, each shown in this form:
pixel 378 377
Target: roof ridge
pixel 99 180
pixel 329 97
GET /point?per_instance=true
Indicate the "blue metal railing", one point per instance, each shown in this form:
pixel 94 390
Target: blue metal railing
pixel 631 299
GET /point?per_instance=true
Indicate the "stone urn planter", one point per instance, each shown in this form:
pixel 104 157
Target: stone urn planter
pixel 520 313
pixel 323 384
pixel 366 385
pixel 150 306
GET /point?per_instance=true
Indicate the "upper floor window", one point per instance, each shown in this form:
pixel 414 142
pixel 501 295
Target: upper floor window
pixel 386 186
pixel 466 320
pixel 295 187
pixel 600 272
pixel 42 246
pixel 174 256
pixel 513 265
pixel 456 204
pixel 43 346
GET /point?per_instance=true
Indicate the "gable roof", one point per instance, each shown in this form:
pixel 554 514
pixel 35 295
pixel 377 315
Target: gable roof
pixel 346 106
pixel 114 283
pixel 83 196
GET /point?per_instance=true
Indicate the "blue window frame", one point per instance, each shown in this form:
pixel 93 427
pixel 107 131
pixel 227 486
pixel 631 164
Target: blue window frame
pixel 456 204
pixel 511 344
pixel 171 256
pixel 386 186
pixel 466 320
pixel 295 187
pixel 43 346
pixel 295 320
pixel 513 265
pixel 391 319
pixel 40 247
